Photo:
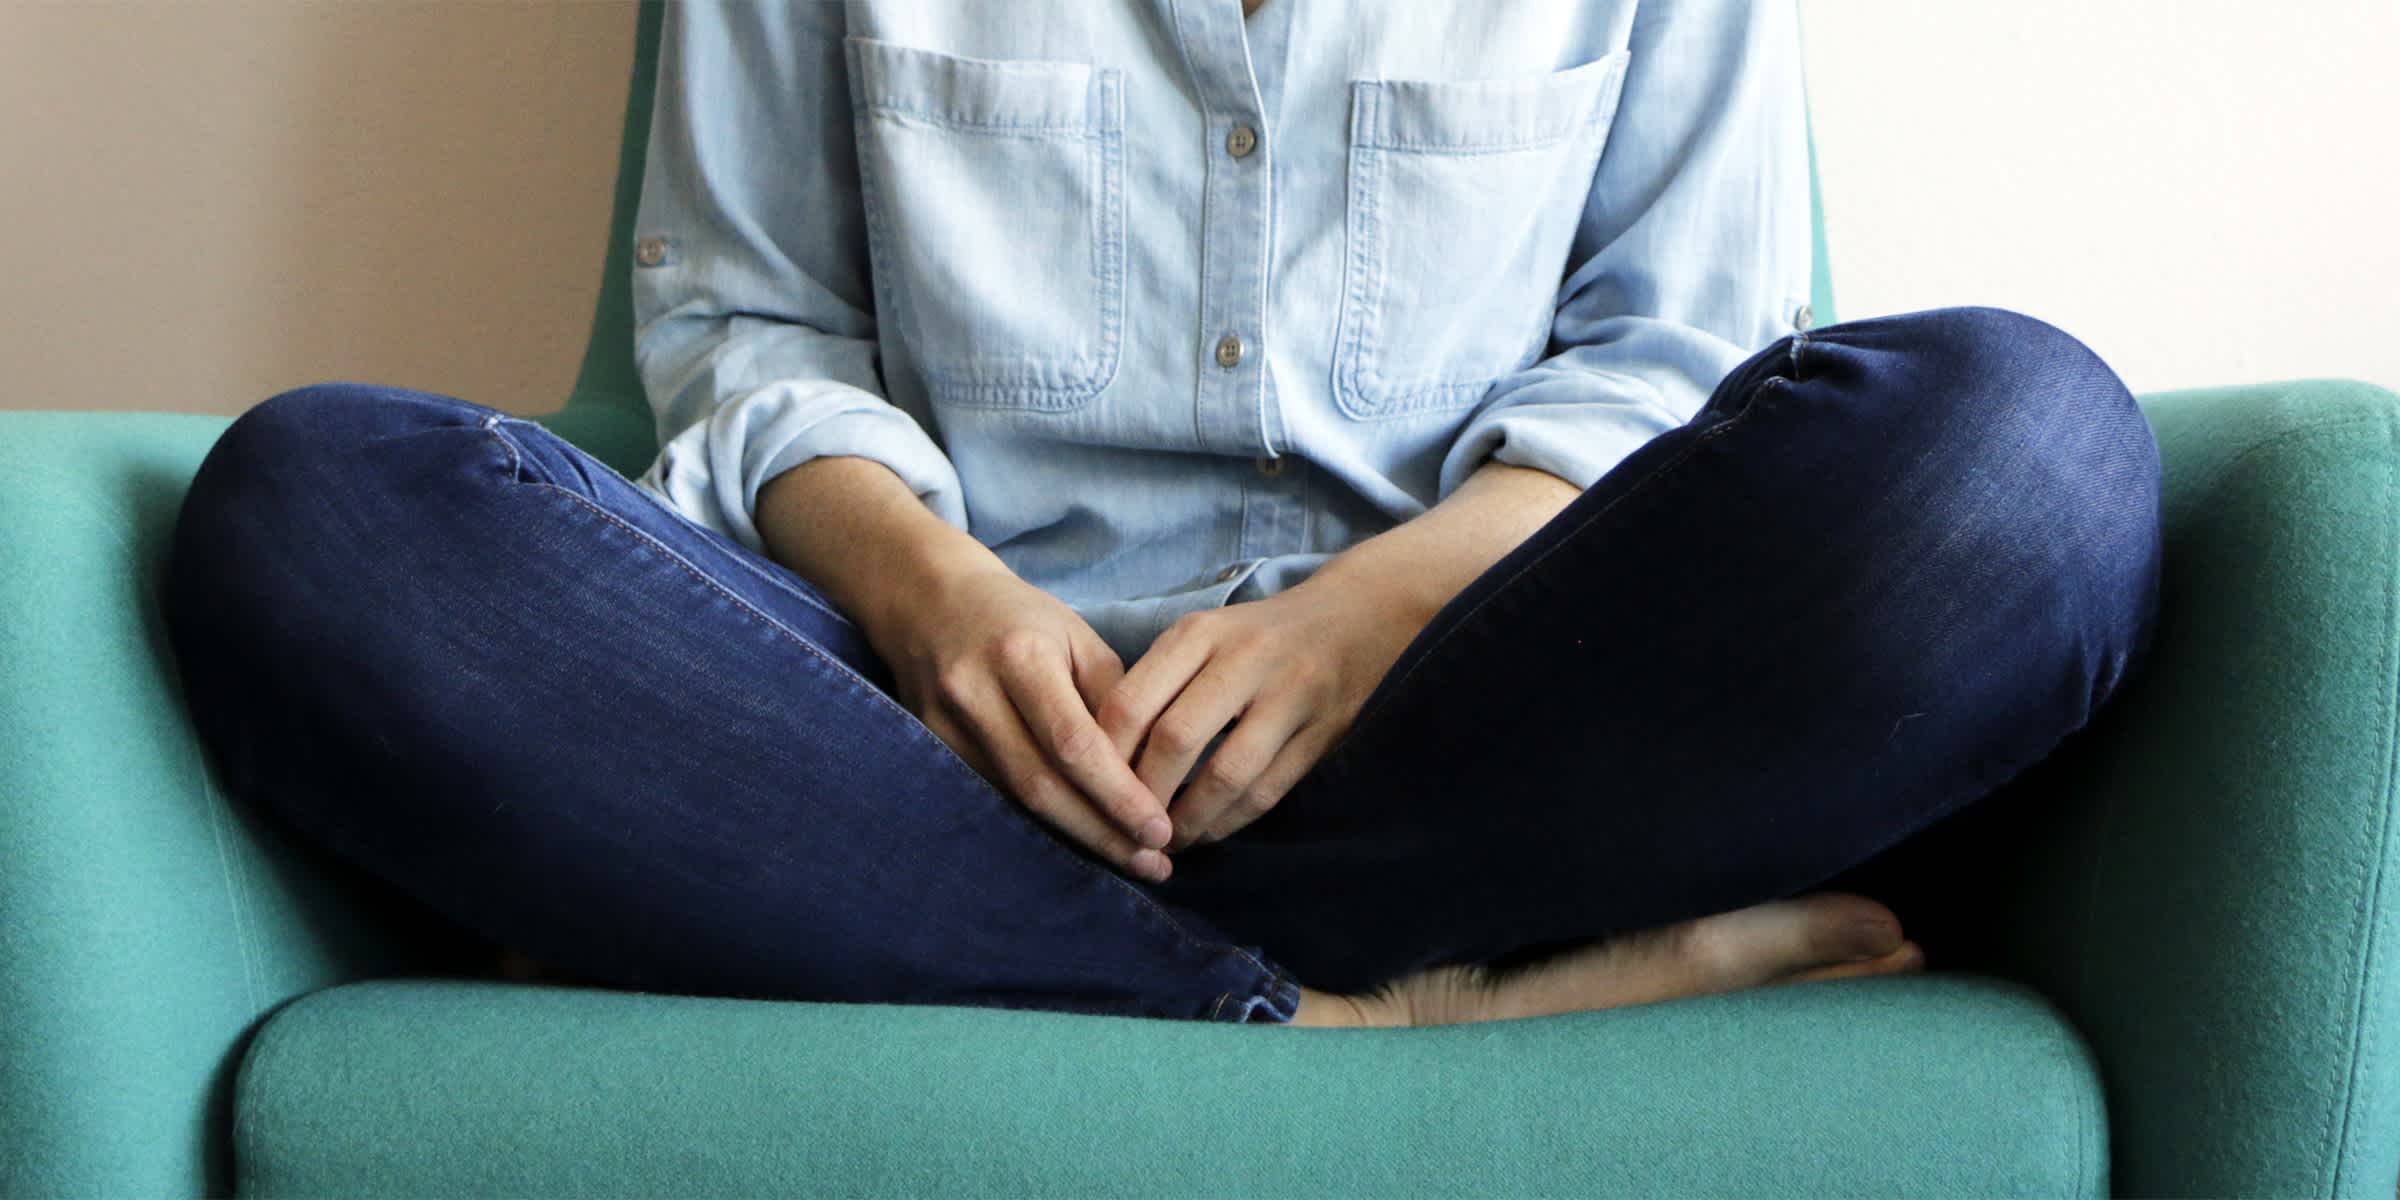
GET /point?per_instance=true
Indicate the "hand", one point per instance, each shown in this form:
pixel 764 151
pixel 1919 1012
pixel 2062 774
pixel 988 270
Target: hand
pixel 1294 668
pixel 1007 675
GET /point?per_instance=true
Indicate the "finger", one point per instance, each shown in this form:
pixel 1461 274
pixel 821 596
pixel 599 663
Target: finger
pixel 961 741
pixel 1097 671
pixel 1043 690
pixel 1147 688
pixel 1230 778
pixel 1027 776
pixel 1302 749
pixel 1207 705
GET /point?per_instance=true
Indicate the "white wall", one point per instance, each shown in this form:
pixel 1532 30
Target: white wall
pixel 2205 191
pixel 207 202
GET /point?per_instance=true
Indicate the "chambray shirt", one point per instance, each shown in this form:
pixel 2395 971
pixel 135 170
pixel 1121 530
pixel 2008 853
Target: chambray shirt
pixel 1168 306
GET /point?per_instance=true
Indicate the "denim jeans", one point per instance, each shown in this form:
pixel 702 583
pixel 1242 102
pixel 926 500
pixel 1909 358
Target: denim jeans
pixel 1891 564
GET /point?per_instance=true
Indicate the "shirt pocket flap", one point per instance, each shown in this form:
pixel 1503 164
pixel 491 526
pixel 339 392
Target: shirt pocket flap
pixel 1030 95
pixel 1484 114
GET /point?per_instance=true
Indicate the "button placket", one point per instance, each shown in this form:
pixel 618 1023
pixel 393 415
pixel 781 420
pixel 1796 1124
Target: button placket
pixel 1235 206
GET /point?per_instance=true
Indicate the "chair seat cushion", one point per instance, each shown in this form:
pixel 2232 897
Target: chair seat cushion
pixel 1951 1083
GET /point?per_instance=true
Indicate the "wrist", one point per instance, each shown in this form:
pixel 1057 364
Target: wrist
pixel 896 585
pixel 851 528
pixel 1384 582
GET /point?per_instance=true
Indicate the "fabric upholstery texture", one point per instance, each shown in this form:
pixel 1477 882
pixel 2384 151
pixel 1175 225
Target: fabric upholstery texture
pixel 2202 892
pixel 145 923
pixel 1950 1084
pixel 2212 897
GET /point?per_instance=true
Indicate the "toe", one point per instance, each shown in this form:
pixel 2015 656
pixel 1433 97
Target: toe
pixel 1906 958
pixel 1753 945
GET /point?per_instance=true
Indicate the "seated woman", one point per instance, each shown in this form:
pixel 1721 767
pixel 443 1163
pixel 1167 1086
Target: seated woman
pixel 1300 512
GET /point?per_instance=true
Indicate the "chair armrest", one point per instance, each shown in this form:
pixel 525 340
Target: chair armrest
pixel 2205 879
pixel 146 925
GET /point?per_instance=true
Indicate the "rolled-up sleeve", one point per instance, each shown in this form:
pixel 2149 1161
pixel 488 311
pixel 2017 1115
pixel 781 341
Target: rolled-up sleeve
pixel 1692 252
pixel 754 327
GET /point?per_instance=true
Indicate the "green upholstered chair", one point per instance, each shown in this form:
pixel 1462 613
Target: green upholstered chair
pixel 2182 982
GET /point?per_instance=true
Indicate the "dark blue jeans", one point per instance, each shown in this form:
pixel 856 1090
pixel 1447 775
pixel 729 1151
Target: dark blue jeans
pixel 1890 565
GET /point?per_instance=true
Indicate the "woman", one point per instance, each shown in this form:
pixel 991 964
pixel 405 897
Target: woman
pixel 1301 512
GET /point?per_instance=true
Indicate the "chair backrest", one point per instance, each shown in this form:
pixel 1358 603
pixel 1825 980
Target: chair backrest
pixel 608 416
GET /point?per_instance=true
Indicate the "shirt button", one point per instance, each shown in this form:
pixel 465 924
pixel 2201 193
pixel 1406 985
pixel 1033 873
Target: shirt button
pixel 1804 318
pixel 650 251
pixel 1270 465
pixel 1241 141
pixel 1229 572
pixel 1229 352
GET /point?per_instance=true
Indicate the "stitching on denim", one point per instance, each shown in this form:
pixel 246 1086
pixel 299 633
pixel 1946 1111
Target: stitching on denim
pixel 1362 291
pixel 1748 406
pixel 766 576
pixel 516 465
pixel 740 556
pixel 914 728
pixel 1363 391
pixel 1611 80
pixel 1044 131
pixel 1474 149
pixel 1019 386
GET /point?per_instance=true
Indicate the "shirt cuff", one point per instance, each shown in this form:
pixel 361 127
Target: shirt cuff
pixel 1577 440
pixel 712 471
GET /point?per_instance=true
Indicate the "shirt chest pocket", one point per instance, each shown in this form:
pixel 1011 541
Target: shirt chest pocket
pixel 994 195
pixel 1463 203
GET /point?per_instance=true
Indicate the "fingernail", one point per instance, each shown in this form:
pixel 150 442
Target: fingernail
pixel 1872 939
pixel 1155 832
pixel 1150 865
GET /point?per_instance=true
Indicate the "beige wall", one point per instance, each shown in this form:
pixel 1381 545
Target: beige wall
pixel 208 201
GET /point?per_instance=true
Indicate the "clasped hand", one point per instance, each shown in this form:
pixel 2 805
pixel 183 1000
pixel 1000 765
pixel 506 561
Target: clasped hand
pixel 1030 696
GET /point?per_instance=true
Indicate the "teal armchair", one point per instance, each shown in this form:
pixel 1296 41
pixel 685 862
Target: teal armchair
pixel 2179 978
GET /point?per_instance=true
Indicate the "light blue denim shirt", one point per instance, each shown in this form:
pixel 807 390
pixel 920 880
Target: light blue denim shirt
pixel 1168 306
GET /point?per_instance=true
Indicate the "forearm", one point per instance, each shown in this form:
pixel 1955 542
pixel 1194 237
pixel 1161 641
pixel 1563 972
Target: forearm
pixel 1419 565
pixel 853 529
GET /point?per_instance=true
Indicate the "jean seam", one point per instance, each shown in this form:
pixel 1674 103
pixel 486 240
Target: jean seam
pixel 516 464
pixel 744 562
pixel 916 727
pixel 1681 456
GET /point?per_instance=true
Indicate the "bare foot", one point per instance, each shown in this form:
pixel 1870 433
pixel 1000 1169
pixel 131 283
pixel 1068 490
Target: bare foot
pixel 1821 935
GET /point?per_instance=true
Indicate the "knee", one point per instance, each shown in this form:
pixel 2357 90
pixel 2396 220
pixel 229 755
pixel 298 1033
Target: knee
pixel 2021 474
pixel 282 474
pixel 2000 384
pixel 2001 411
pixel 297 445
pixel 2033 409
pixel 305 425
